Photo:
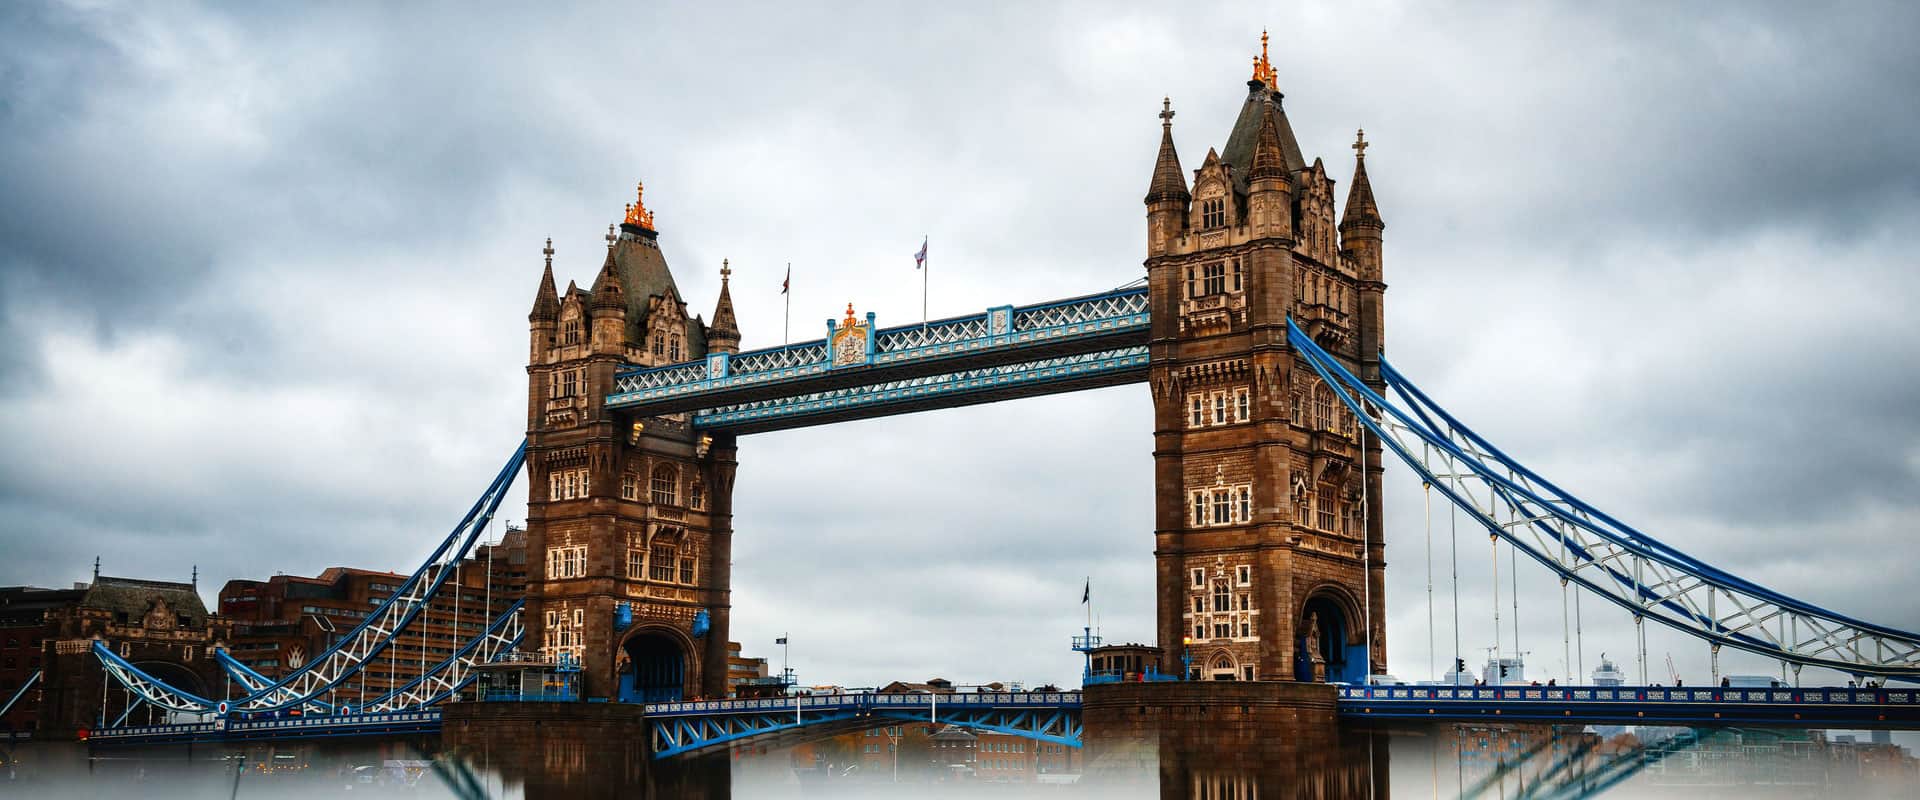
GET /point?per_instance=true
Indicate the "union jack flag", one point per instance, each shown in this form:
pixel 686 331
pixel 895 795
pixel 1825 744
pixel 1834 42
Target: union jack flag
pixel 920 258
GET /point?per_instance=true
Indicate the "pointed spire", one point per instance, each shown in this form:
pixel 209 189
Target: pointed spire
pixel 1361 209
pixel 546 301
pixel 723 335
pixel 1269 161
pixel 1168 184
pixel 607 292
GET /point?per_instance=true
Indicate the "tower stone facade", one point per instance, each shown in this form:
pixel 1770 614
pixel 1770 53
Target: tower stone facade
pixel 629 520
pixel 1268 540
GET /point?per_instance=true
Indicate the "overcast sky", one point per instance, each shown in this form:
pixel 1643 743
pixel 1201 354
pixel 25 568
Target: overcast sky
pixel 264 278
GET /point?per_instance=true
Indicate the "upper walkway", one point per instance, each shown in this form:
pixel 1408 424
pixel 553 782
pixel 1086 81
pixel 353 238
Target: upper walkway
pixel 1000 353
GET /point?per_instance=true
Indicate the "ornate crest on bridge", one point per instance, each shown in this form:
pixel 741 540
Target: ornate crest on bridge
pixel 851 340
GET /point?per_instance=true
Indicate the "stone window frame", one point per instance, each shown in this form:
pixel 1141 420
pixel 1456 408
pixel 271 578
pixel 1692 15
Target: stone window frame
pixel 697 492
pixel 1243 574
pixel 1326 509
pixel 629 486
pixel 658 552
pixel 1213 212
pixel 665 484
pixel 1213 278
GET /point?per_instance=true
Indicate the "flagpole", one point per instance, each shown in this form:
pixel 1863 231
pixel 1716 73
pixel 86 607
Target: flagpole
pixel 926 268
pixel 786 324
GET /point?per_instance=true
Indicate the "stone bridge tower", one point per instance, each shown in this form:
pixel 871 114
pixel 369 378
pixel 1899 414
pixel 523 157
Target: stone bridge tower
pixel 629 521
pixel 1267 514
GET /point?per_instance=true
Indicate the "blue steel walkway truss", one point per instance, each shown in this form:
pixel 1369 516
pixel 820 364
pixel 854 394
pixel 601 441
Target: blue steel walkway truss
pixel 677 728
pixel 998 354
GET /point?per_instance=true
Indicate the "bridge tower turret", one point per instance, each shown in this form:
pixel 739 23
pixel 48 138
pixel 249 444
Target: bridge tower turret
pixel 624 511
pixel 1167 196
pixel 1267 524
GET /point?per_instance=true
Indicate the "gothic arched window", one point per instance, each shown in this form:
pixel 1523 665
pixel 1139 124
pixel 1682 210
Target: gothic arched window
pixel 673 348
pixel 573 331
pixel 1322 407
pixel 697 494
pixel 666 485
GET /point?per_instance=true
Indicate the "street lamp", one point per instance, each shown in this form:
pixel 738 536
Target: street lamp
pixel 1186 658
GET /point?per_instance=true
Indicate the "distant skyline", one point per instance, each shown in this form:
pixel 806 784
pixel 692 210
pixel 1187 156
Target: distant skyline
pixel 265 273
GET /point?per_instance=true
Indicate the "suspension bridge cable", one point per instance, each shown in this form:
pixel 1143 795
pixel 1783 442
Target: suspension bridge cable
pixel 1493 541
pixel 1453 532
pixel 1513 570
pixel 1580 646
pixel 1566 639
pixel 1426 493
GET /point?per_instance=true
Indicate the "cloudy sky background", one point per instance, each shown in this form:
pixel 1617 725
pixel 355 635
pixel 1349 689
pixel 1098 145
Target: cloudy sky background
pixel 264 278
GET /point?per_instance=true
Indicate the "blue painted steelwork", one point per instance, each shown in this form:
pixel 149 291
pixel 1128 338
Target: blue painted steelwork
pixel 998 336
pixel 277 728
pixel 676 728
pixel 303 687
pixel 21 692
pixel 1825 707
pixel 944 390
pixel 1586 547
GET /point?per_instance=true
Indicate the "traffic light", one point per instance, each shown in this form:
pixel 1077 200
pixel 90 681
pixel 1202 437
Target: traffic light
pixel 1460 666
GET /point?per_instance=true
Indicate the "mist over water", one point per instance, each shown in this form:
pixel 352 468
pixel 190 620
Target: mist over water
pixel 1405 761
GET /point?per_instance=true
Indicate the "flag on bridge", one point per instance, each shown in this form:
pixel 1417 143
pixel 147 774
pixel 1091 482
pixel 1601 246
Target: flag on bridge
pixel 781 640
pixel 920 258
pixel 1086 594
pixel 789 280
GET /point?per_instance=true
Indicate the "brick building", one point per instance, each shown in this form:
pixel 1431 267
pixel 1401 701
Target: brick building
pixel 27 622
pixel 1267 512
pixel 161 627
pixel 625 512
pixel 282 623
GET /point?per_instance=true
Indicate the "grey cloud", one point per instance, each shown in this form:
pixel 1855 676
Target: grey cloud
pixel 1666 262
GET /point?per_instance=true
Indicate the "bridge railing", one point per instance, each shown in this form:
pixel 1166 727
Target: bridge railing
pixel 1562 695
pixel 277 726
pixel 865 701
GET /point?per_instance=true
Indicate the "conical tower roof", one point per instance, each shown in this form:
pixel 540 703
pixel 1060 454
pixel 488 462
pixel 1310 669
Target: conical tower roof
pixel 1169 183
pixel 1262 105
pixel 724 325
pixel 546 299
pixel 607 292
pixel 1361 208
pixel 1269 160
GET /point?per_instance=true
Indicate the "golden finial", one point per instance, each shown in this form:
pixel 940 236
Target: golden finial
pixel 1360 144
pixel 1262 68
pixel 851 319
pixel 724 270
pixel 637 213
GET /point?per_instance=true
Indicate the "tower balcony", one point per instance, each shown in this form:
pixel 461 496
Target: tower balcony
pixel 1331 327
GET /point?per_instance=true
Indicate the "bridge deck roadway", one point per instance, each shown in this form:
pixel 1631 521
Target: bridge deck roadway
pixel 1634 705
pixel 1053 716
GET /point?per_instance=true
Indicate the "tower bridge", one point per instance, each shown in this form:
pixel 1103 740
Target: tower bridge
pixel 1259 334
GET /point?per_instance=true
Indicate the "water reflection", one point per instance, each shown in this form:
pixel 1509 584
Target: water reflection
pixel 1410 761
